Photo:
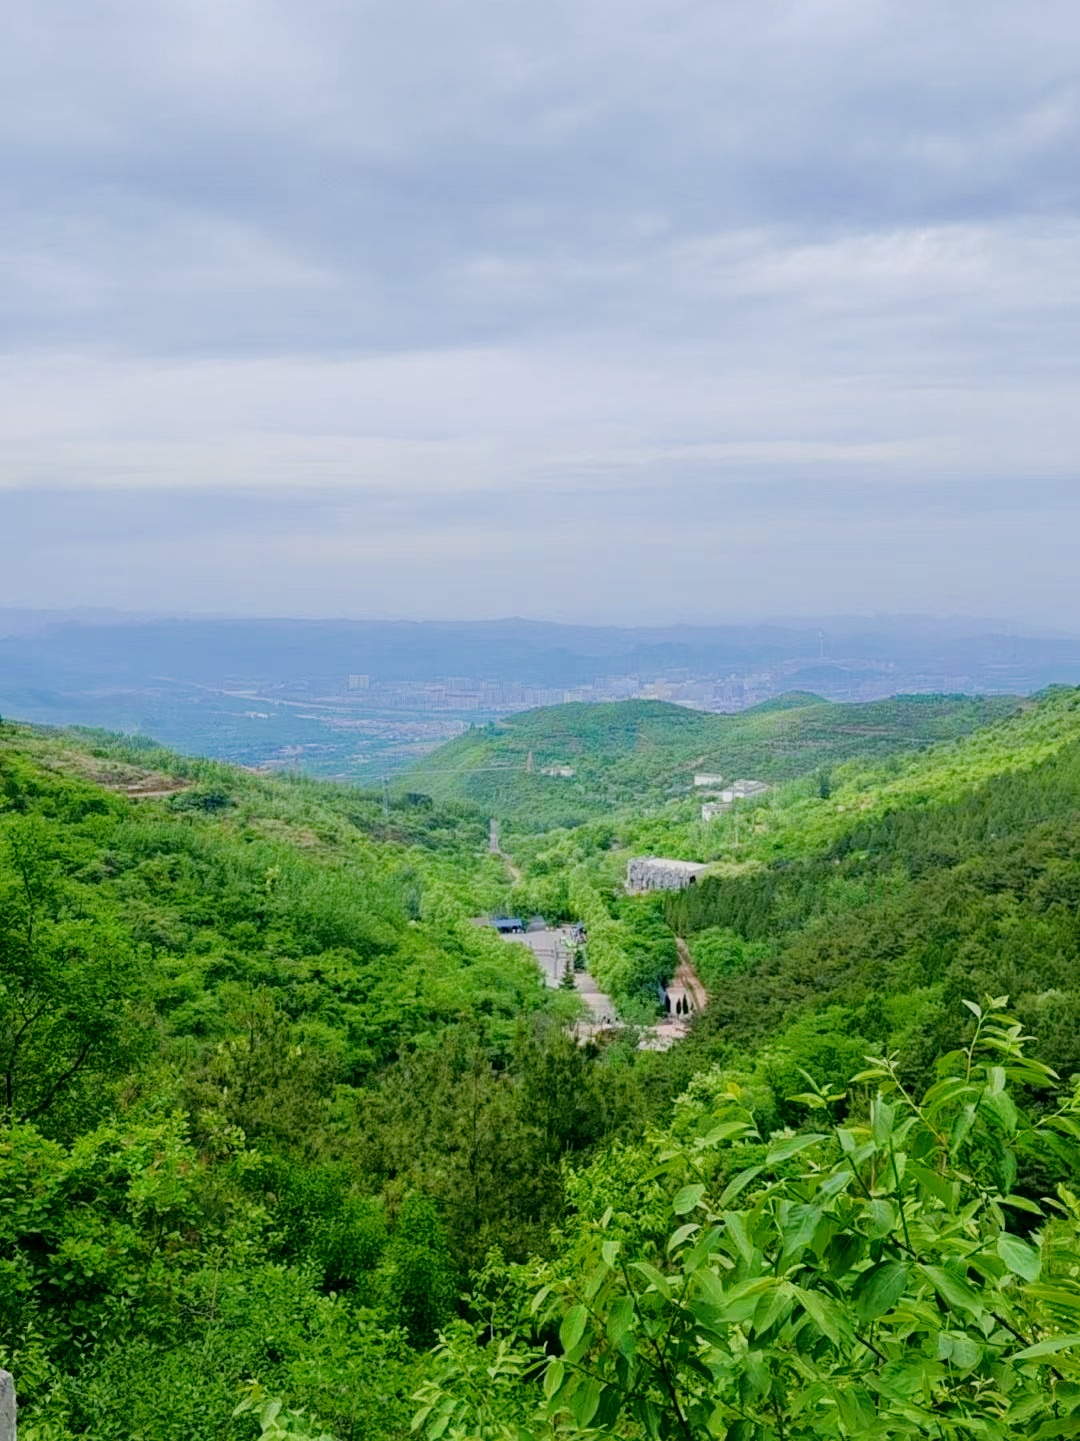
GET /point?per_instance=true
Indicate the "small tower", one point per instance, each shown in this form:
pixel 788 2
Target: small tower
pixel 530 765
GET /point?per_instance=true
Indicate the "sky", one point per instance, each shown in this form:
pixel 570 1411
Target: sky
pixel 596 310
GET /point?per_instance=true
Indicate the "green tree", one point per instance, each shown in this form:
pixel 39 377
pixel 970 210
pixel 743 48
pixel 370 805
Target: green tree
pixel 886 1276
pixel 873 1278
pixel 68 979
pixel 423 1282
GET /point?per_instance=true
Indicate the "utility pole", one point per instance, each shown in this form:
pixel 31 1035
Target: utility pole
pixel 386 800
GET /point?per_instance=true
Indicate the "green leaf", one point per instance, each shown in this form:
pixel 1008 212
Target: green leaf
pixel 1021 1203
pixel 705 1246
pixel 824 1313
pixel 554 1376
pixel 620 1319
pixel 600 1274
pixel 791 1146
pixel 539 1299
pixel 1058 1426
pixel 610 1250
pixel 881 1218
pixel 882 1120
pixel 654 1277
pixel 726 1131
pixel 879 1289
pixel 942 1190
pixel 960 1350
pixel 953 1290
pixel 807 1098
pixel 798 1225
pixel 771 1308
pixel 735 1224
pixel 573 1327
pixel 682 1234
pixel 687 1199
pixel 1004 1108
pixel 1045 1348
pixel 1022 1259
pixel 1058 1298
pixel 585 1401
pixel 737 1185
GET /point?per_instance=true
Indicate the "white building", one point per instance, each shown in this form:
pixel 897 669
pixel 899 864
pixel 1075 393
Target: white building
pixel 708 778
pixel 741 789
pixel 737 791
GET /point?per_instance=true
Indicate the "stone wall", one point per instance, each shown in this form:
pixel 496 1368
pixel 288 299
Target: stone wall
pixel 654 873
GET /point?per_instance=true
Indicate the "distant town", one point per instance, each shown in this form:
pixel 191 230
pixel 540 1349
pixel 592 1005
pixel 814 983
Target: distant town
pixel 734 692
pixel 360 701
pixel 868 680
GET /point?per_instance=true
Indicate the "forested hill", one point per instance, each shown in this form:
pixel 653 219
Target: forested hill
pixel 291 1149
pixel 266 1093
pixel 640 753
pixel 862 919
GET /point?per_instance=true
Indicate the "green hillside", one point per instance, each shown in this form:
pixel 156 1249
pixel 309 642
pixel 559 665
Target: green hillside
pixel 579 870
pixel 859 1216
pixel 957 876
pixel 245 1028
pixel 640 753
pixel 290 1148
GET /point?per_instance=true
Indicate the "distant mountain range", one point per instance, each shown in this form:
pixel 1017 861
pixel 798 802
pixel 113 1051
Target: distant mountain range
pixel 278 692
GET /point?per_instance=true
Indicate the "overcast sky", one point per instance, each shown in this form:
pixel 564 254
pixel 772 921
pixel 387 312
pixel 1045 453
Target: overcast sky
pixel 591 309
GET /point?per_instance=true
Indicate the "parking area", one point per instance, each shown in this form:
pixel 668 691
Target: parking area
pixel 553 948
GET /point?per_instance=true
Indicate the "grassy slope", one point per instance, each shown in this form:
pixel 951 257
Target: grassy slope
pixel 641 753
pixel 797 820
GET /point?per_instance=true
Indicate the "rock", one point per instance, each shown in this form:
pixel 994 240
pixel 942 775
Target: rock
pixel 7 1406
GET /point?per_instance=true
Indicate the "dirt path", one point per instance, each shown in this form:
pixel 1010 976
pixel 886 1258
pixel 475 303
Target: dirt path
pixel 686 974
pixel 496 850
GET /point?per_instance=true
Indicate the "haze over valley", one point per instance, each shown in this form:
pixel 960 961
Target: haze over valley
pixel 364 699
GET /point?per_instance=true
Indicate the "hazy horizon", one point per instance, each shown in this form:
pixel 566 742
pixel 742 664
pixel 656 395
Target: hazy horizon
pixel 958 623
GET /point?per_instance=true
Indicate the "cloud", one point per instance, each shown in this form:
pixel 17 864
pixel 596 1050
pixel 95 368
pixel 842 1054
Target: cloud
pixel 464 268
pixel 709 554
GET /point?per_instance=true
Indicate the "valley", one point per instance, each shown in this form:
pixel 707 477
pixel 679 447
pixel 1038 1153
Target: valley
pixel 296 1122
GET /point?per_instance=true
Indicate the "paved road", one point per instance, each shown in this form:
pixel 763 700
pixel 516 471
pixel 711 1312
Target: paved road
pixel 553 949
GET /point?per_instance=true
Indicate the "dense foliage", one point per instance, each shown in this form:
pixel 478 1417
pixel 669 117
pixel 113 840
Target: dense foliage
pixel 268 1093
pixel 943 893
pixel 905 1266
pixel 289 1146
pixel 637 754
